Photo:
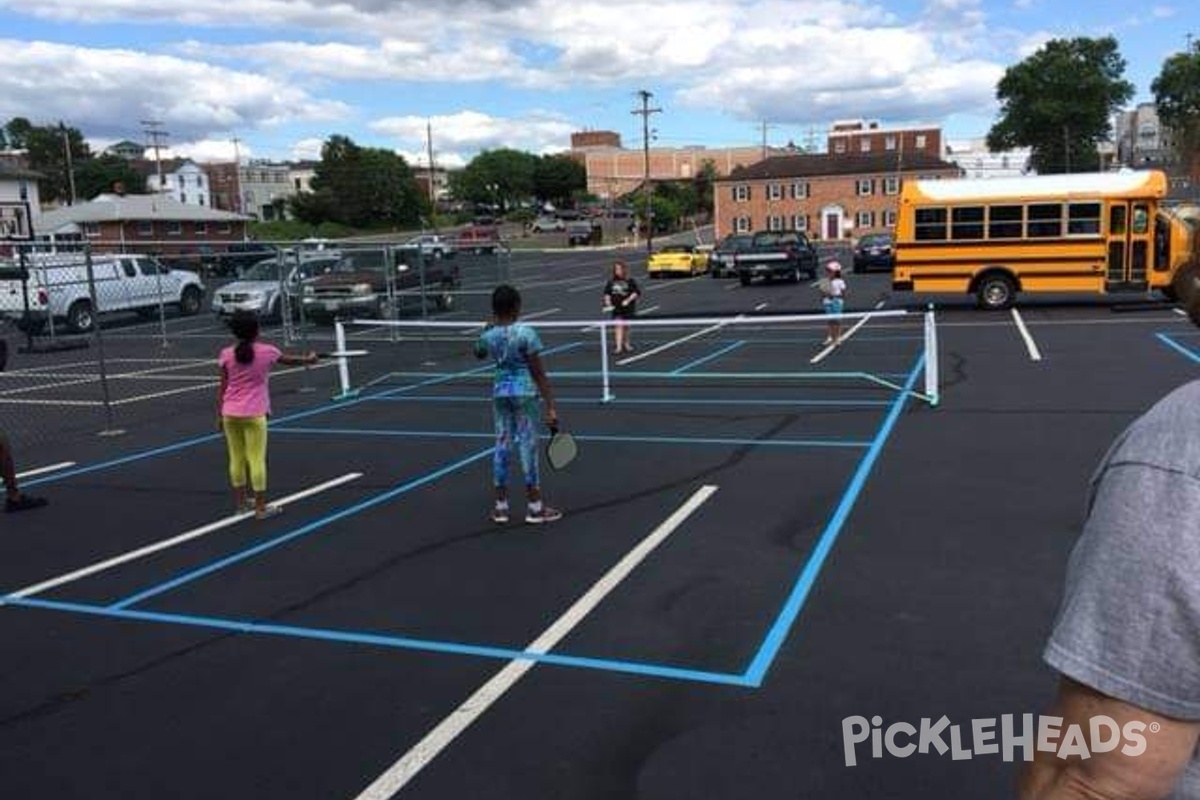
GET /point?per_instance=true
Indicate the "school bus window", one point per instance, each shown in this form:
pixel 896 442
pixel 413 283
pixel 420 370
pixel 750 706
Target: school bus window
pixel 1162 245
pixel 1045 221
pixel 930 224
pixel 1141 219
pixel 967 223
pixel 1116 221
pixel 1004 222
pixel 1083 219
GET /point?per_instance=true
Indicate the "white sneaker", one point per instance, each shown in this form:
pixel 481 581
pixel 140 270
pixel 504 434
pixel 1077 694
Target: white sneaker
pixel 828 340
pixel 547 514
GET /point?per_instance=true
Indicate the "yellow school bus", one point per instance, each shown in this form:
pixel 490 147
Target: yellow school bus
pixel 1094 232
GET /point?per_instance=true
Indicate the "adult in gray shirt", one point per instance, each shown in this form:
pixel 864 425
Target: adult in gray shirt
pixel 1127 638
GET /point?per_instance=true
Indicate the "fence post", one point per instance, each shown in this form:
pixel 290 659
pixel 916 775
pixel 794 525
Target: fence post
pixel 24 262
pixel 429 362
pixel 162 306
pixel 98 337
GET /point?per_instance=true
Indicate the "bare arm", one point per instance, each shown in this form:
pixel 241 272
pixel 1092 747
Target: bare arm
pixel 297 360
pixel 1113 775
pixel 538 371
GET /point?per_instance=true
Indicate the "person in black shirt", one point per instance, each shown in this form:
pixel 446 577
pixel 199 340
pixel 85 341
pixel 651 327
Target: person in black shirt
pixel 620 297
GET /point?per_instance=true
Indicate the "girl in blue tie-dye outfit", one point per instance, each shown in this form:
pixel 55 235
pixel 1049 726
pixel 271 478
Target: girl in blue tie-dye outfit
pixel 520 377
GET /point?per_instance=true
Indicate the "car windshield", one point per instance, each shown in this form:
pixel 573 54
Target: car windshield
pixel 676 248
pixel 876 240
pixel 357 262
pixel 735 242
pixel 267 270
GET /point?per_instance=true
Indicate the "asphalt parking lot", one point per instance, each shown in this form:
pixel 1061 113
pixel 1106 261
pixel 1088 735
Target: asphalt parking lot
pixel 758 544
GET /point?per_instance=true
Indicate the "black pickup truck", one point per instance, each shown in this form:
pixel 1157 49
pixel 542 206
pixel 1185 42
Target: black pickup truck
pixel 360 285
pixel 776 255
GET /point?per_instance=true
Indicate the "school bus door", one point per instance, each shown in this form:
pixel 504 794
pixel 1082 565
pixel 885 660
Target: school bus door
pixel 1130 246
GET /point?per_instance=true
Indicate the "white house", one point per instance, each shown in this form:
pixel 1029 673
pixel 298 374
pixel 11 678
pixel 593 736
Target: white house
pixel 186 183
pixel 977 161
pixel 20 204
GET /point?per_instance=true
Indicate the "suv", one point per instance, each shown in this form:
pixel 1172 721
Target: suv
pixel 431 244
pixel 360 285
pixel 261 287
pixel 771 255
pixel 57 288
pixel 479 239
pixel 583 233
pixel 544 224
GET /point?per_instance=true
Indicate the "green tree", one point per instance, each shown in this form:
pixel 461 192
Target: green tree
pixel 502 178
pixel 361 187
pixel 557 179
pixel 98 175
pixel 1177 96
pixel 46 148
pixel 1059 101
pixel 704 184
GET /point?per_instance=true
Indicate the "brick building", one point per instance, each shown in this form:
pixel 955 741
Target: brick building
pixel 860 137
pixel 828 196
pixel 141 222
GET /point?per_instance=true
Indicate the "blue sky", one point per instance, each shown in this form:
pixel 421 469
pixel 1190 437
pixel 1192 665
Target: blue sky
pixel 282 75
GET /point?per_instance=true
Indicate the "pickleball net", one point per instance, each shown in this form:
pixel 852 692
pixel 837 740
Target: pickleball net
pixel 880 353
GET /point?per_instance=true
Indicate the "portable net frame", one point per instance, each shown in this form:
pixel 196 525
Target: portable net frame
pixel 412 354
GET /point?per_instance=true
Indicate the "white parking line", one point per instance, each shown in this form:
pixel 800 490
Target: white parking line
pixel 673 284
pixel 673 343
pixel 397 776
pixel 548 312
pixel 1030 344
pixel 43 470
pixel 1180 312
pixel 591 287
pixel 733 286
pixel 821 356
pixel 761 306
pixel 165 544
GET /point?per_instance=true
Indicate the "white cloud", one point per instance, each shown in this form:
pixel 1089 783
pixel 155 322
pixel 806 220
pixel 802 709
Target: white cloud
pixel 307 149
pixel 1162 12
pixel 457 137
pixel 106 92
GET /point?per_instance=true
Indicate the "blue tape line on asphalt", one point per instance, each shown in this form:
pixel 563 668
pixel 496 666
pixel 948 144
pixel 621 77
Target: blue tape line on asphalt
pixel 582 437
pixel 812 569
pixel 710 357
pixel 382 640
pixel 1187 352
pixel 315 525
pixel 646 401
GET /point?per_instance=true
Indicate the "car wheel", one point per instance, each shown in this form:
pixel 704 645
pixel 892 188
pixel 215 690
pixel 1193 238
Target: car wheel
pixel 189 302
pixel 80 318
pixel 996 292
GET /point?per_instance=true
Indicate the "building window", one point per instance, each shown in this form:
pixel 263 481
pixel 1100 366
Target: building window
pixel 145 227
pixel 183 198
pixel 202 201
pixel 91 229
pixel 741 224
pixel 865 219
pixel 889 218
pixel 774 191
pixel 799 190
pixel 224 227
pixel 889 143
pixel 799 222
pixel 863 187
pixel 891 185
pixel 201 229
pixel 741 194
pixel 23 191
pixel 920 141
pixel 774 223
pixel 175 228
pixel 839 146
pixel 865 145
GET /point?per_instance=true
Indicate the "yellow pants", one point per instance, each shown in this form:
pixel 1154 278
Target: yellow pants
pixel 246 440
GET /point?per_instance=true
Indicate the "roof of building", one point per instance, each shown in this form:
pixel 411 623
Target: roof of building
pixel 825 165
pixel 1087 184
pixel 131 207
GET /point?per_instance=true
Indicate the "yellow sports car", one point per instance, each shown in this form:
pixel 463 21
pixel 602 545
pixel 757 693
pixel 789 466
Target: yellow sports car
pixel 677 258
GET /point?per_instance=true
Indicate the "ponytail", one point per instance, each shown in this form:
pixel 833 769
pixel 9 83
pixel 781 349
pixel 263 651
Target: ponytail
pixel 245 327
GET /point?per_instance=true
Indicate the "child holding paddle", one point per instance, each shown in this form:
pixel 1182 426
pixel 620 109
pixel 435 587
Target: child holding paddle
pixel 520 378
pixel 243 405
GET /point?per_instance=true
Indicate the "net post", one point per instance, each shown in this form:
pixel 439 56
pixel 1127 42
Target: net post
pixel 931 357
pixel 607 396
pixel 339 329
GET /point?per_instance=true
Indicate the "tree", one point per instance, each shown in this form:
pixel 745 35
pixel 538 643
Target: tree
pixel 500 178
pixel 1059 101
pixel 98 175
pixel 361 187
pixel 704 184
pixel 46 147
pixel 1177 96
pixel 557 179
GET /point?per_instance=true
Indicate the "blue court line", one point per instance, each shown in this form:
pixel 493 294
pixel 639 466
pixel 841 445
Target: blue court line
pixel 1174 345
pixel 305 530
pixel 212 437
pixel 383 640
pixel 582 437
pixel 682 400
pixel 812 569
pixel 709 357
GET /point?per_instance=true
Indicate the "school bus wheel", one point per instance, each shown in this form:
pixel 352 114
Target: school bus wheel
pixel 995 291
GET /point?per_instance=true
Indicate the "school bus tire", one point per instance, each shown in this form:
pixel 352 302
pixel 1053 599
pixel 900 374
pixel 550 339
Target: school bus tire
pixel 995 291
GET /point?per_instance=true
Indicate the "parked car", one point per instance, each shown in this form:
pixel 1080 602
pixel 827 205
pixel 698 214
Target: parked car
pixel 584 232
pixel 676 259
pixel 360 285
pixel 721 264
pixel 261 289
pixel 237 257
pixel 479 239
pixel 547 224
pixel 58 289
pixel 772 255
pixel 875 251
pixel 432 245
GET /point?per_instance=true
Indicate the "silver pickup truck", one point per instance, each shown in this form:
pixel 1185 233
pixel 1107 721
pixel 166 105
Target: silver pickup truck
pixel 57 288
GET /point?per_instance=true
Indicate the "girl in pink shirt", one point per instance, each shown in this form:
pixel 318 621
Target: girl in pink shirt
pixel 243 405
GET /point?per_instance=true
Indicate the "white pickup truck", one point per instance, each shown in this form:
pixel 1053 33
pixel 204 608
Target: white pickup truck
pixel 57 287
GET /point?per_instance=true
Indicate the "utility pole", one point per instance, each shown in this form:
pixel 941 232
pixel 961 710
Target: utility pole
pixel 765 127
pixel 432 188
pixel 70 165
pixel 155 134
pixel 237 175
pixel 645 111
